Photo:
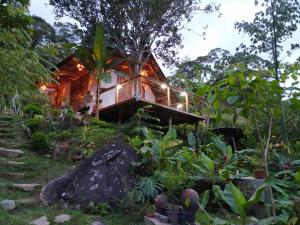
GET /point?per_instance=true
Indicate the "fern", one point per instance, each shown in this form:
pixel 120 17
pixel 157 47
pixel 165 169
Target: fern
pixel 149 187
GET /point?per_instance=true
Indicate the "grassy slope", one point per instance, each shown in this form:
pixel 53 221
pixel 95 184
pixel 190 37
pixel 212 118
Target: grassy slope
pixel 41 169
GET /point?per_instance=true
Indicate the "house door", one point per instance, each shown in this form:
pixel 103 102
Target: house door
pixel 79 88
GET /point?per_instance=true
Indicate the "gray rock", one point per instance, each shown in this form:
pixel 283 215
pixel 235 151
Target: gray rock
pixel 40 221
pixel 153 221
pixel 62 218
pixel 26 187
pixel 10 153
pixel 8 205
pixel 104 177
pixel 97 223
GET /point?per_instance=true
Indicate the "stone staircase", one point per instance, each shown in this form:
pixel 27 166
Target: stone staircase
pixel 12 168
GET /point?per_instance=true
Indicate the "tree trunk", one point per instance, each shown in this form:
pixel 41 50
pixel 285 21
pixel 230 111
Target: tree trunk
pixel 97 99
pixel 283 127
pixel 266 168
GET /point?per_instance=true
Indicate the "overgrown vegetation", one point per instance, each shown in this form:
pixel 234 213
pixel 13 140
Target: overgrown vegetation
pixel 257 94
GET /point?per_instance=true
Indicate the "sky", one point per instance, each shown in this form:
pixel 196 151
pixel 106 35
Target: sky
pixel 220 31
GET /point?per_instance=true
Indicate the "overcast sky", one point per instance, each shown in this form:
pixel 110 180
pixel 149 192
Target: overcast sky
pixel 220 31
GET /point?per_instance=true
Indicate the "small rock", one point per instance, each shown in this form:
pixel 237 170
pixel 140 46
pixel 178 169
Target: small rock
pixel 28 201
pixel 26 187
pixel 97 223
pixel 62 218
pixel 41 221
pixel 8 205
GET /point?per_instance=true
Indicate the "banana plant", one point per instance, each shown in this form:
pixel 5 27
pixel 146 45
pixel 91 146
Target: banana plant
pixel 236 200
pixel 100 57
pixel 97 59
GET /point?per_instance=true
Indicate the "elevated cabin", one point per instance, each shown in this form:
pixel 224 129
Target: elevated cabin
pixel 121 95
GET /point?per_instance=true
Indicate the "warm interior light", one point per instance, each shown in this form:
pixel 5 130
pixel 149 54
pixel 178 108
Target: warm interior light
pixel 163 86
pixel 80 67
pixel 144 73
pixel 183 93
pixel 119 86
pixel 43 88
pixel 179 106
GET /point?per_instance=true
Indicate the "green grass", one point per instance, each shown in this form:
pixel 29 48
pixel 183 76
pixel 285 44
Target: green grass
pixel 41 169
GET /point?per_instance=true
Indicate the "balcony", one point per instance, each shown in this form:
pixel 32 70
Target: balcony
pixel 166 100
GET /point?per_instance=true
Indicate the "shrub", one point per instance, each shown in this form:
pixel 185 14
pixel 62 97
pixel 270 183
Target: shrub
pixel 33 109
pixel 40 142
pixel 33 123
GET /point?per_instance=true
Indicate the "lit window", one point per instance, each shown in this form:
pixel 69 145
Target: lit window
pixel 179 106
pixel 163 86
pixel 80 67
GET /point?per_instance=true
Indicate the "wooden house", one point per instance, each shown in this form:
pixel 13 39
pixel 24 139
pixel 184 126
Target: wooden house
pixel 121 96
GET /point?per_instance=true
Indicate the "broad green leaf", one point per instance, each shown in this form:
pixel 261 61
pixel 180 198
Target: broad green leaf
pixel 297 177
pixel 235 199
pixel 256 196
pixel 219 221
pixel 99 46
pixel 208 162
pixel 191 139
pixel 204 198
pixel 232 99
pixel 220 144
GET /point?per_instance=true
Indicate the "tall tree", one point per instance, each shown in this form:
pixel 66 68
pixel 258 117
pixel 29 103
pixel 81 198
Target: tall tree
pixel 213 67
pixel 42 32
pixel 269 30
pixel 20 67
pixel 135 27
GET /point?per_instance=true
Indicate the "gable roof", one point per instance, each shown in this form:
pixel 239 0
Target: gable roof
pixel 67 68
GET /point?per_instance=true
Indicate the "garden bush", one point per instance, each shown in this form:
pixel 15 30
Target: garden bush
pixel 33 109
pixel 33 123
pixel 40 142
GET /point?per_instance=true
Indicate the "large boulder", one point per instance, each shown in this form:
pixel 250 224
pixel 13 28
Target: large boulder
pixel 104 177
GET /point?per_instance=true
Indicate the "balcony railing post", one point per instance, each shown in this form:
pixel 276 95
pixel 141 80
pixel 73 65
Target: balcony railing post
pixel 187 102
pixel 117 94
pixel 168 97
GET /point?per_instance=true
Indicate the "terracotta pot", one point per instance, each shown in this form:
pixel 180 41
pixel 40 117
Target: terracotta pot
pixel 173 214
pixel 189 199
pixel 150 214
pixel 160 203
pixel 259 174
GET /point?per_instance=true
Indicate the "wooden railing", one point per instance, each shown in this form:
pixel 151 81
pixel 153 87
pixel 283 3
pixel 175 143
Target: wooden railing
pixel 156 92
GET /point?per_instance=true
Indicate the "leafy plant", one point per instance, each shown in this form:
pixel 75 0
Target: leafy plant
pixel 101 209
pixel 209 164
pixel 40 142
pixel 236 199
pixel 33 123
pixel 32 109
pixel 149 187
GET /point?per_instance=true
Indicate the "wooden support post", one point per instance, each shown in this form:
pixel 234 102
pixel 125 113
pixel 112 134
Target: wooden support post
pixel 187 103
pixel 197 135
pixel 168 97
pixel 117 94
pixel 120 119
pixel 170 123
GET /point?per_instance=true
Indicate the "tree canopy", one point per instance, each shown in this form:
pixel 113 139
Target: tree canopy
pixel 136 27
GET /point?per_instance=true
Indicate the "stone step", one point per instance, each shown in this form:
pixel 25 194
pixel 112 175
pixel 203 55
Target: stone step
pixel 10 153
pixel 28 201
pixel 26 187
pixel 11 163
pixel 8 143
pixel 5 130
pixel 7 136
pixel 6 118
pixel 13 175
